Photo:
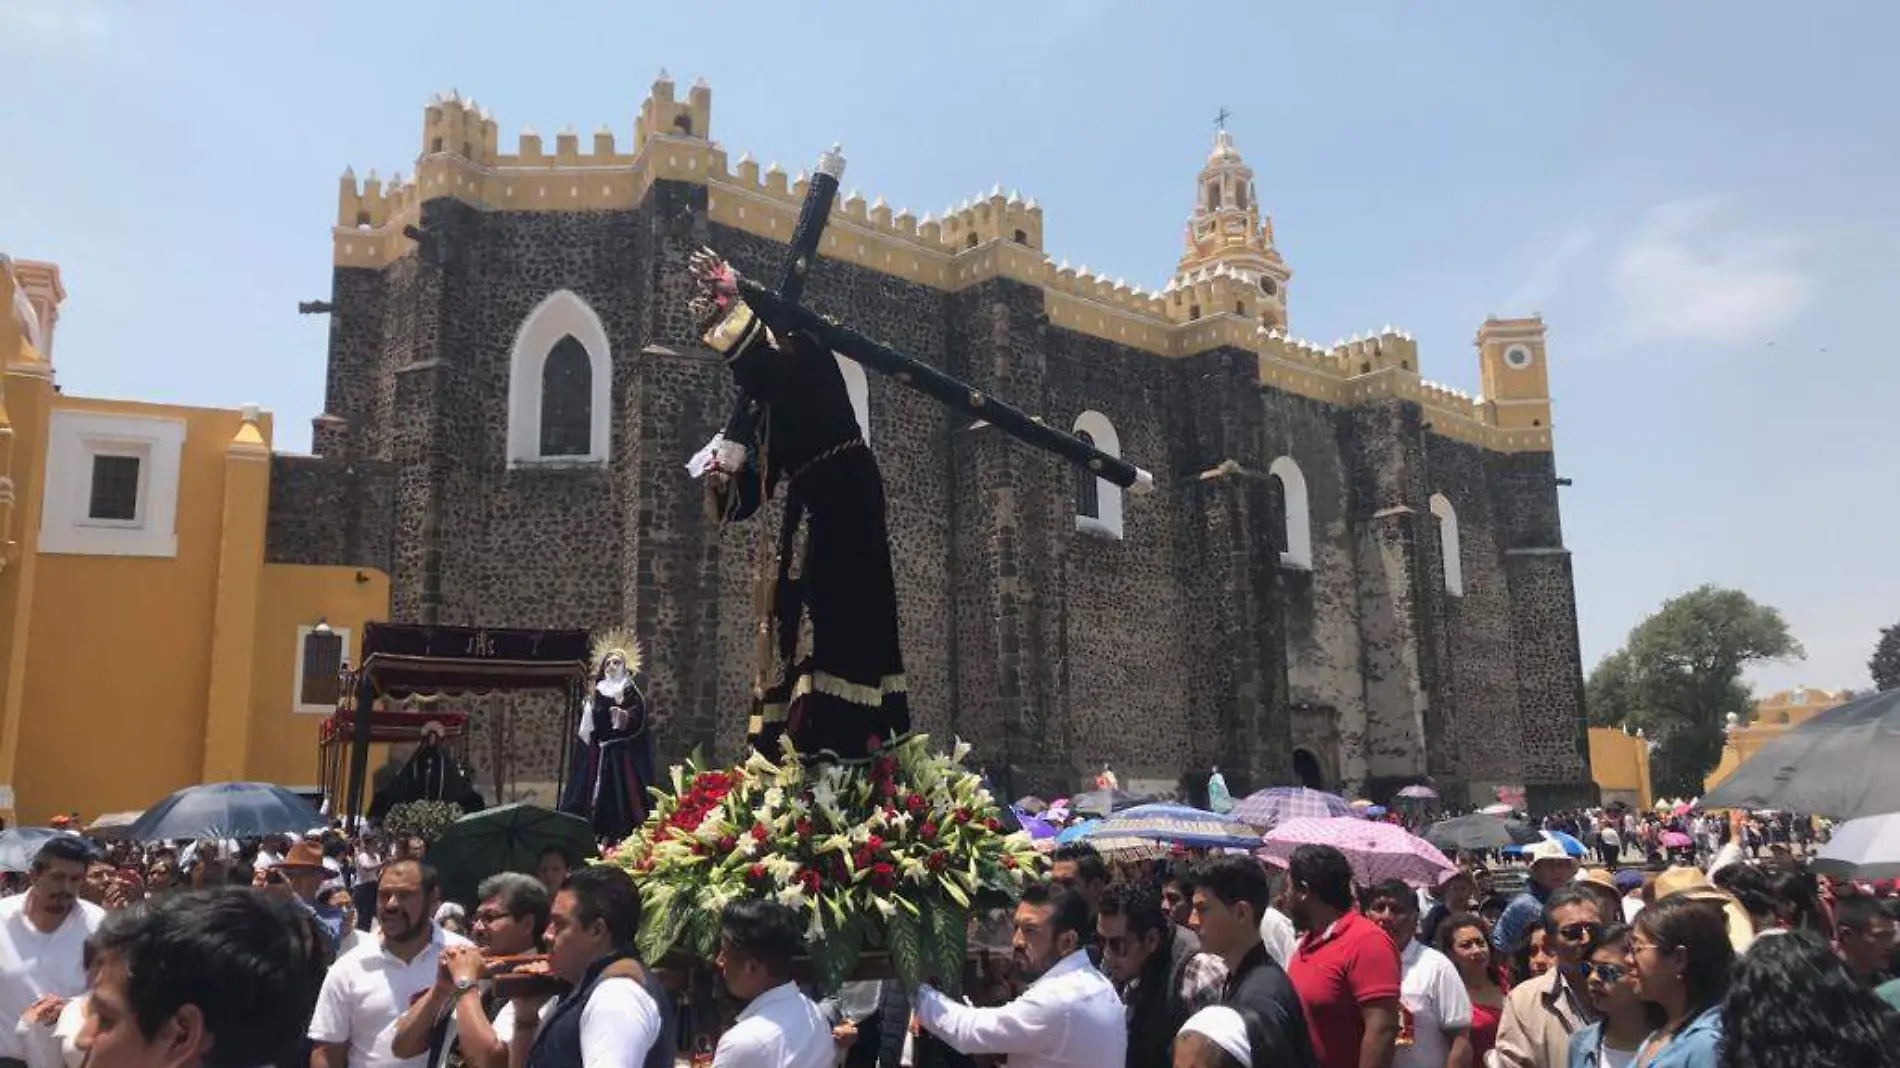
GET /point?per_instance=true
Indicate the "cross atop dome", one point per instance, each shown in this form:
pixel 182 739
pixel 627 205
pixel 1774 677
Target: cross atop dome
pixel 1228 235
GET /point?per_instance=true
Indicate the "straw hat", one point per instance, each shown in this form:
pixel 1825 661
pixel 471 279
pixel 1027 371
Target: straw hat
pixel 1548 849
pixel 304 858
pixel 1692 884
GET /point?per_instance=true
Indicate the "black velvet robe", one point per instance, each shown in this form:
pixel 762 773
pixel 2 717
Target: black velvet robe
pixel 846 691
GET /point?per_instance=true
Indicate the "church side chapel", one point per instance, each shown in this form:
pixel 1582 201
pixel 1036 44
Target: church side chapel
pixel 1346 575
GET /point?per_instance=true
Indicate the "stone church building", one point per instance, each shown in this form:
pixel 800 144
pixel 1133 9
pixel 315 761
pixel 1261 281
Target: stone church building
pixel 1346 575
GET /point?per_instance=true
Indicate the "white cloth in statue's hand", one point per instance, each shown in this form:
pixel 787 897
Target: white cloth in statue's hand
pixel 719 454
pixel 620 717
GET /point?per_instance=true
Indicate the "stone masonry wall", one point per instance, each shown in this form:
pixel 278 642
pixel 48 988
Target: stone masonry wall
pixel 1183 643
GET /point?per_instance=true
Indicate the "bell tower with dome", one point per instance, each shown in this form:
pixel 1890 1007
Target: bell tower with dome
pixel 1229 236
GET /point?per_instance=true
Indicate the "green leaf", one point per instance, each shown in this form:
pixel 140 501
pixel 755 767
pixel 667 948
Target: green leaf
pixel 908 952
pixel 950 944
pixel 953 891
pixel 662 919
pixel 836 955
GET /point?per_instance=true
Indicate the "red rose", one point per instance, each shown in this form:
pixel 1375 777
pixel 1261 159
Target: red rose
pixel 755 872
pixel 874 743
pixel 883 767
pixel 727 843
pixel 916 804
pixel 888 789
pixel 803 827
pixel 873 844
pixel 759 832
pixel 928 830
pixel 1008 861
pixel 937 860
pixel 883 875
pixel 963 815
pixel 993 823
pixel 810 879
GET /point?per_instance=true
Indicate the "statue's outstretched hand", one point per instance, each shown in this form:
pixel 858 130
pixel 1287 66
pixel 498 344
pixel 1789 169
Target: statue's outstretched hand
pixel 718 287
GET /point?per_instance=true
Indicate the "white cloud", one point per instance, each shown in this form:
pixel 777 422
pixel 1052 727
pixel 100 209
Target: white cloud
pixel 1689 274
pixel 30 25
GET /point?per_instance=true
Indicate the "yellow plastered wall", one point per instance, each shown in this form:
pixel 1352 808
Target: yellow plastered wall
pixel 283 742
pixel 1619 763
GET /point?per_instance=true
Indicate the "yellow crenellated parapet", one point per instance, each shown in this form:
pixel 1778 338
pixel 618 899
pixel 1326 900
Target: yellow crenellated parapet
pixel 1225 293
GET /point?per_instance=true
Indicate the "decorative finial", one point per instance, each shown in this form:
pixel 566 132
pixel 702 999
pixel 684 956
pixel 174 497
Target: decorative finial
pixel 1221 117
pixel 832 162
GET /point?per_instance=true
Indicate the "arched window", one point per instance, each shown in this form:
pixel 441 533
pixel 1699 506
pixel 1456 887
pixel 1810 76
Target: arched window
pixel 1098 502
pixel 1448 545
pixel 1297 551
pixel 858 388
pixel 566 400
pixel 1088 498
pixel 560 377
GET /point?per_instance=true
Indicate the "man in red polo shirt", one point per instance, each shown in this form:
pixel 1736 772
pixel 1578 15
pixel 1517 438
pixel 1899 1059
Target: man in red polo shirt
pixel 1345 969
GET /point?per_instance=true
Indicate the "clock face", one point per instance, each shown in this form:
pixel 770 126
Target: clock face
pixel 1518 357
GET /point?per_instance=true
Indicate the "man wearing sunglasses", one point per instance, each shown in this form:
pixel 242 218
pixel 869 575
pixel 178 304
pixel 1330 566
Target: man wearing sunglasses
pixel 1542 1014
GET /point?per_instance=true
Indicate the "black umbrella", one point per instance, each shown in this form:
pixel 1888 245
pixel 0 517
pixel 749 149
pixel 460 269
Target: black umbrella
pixel 1480 831
pixel 225 810
pixel 508 838
pixel 1840 764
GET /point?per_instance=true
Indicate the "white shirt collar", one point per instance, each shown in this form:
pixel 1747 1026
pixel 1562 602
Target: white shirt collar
pixel 782 992
pixel 1071 963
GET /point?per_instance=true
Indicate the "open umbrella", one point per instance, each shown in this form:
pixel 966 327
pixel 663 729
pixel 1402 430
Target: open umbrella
pixel 1676 840
pixel 1180 824
pixel 1480 831
pixel 225 810
pixel 1032 805
pixel 1077 831
pixel 1572 847
pixel 1103 802
pixel 19 845
pixel 112 824
pixel 1501 808
pixel 1419 792
pixel 1840 764
pixel 505 838
pixel 1269 808
pixel 1376 851
pixel 1866 848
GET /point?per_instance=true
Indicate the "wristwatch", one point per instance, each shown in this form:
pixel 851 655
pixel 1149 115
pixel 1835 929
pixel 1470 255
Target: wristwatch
pixel 463 986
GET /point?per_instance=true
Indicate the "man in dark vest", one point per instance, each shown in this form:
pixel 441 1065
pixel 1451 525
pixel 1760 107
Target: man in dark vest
pixel 618 1015
pixel 1159 969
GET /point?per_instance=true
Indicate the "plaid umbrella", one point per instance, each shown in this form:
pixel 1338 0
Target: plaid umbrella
pixel 1270 808
pixel 1182 824
pixel 1376 851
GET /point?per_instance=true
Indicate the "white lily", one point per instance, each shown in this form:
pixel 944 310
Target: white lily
pixel 961 750
pixel 792 895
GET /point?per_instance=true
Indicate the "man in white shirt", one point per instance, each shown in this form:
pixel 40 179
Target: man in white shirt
pixel 367 991
pixel 1434 1009
pixel 1069 1017
pixel 779 1027
pixel 618 1015
pixel 461 1014
pixel 43 936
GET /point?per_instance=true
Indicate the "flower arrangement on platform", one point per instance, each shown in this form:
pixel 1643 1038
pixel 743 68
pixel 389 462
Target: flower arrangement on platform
pixel 886 854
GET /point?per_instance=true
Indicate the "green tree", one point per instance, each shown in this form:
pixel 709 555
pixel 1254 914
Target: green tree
pixel 1885 664
pixel 1679 678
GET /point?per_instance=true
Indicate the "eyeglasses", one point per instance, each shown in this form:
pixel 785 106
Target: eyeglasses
pixel 1580 932
pixel 1609 973
pixel 491 917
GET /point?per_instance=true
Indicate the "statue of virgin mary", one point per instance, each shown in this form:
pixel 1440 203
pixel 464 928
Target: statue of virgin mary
pixel 614 765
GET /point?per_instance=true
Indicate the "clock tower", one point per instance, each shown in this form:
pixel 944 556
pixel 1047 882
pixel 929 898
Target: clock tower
pixel 1230 236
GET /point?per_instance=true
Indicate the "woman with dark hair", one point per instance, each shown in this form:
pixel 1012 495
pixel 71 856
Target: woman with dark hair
pixel 1532 956
pixel 1750 886
pixel 1224 1036
pixel 1793 1004
pixel 1798 904
pixel 1681 954
pixel 1463 937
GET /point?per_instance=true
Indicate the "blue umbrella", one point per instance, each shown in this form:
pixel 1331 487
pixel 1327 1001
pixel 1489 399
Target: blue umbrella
pixel 1075 832
pixel 1372 811
pixel 225 810
pixel 1180 824
pixel 1572 847
pixel 19 845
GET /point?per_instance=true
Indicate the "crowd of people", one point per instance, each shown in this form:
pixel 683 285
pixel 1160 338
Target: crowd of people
pixel 322 952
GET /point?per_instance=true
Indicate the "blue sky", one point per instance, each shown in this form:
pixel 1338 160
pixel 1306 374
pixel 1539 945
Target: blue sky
pixel 1698 196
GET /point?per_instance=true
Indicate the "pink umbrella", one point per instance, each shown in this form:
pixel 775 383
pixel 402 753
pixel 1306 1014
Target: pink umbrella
pixel 1376 851
pixel 1676 840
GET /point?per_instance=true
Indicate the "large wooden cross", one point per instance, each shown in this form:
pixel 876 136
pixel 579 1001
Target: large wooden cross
pixel 780 306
